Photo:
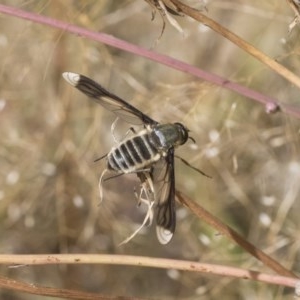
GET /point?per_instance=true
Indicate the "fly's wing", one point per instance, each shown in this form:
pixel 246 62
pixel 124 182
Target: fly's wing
pixel 164 185
pixel 108 100
pixel 159 186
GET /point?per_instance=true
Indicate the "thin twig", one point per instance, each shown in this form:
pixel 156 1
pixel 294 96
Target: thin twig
pixel 204 215
pixel 143 261
pixel 20 286
pixel 259 55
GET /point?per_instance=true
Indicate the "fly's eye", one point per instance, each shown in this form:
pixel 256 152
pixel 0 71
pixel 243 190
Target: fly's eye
pixel 184 133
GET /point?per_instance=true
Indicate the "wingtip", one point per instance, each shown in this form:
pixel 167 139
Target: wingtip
pixel 71 78
pixel 164 235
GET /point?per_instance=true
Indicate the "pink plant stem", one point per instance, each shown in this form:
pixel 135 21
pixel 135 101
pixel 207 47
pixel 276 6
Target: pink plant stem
pixel 144 261
pixel 163 59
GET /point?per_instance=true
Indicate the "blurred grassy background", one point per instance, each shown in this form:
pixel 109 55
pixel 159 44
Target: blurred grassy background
pixel 50 135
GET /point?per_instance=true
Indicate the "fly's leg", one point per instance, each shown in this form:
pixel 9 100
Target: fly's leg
pixel 146 186
pixel 100 184
pixel 145 196
pixel 192 167
pixel 113 127
pixel 148 216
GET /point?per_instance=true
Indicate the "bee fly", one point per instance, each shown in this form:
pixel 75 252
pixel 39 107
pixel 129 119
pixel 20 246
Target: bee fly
pixel 149 153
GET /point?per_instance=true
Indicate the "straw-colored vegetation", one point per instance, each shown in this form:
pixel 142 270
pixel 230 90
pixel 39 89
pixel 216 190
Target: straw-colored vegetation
pixel 50 135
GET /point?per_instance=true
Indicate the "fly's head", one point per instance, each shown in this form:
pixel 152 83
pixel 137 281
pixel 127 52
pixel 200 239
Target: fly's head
pixel 183 134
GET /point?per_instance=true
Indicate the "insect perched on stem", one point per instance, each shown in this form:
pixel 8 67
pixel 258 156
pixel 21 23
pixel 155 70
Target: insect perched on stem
pixel 149 153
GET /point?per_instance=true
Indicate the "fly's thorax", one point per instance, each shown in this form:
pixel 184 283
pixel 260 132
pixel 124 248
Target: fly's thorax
pixel 165 136
pixel 133 154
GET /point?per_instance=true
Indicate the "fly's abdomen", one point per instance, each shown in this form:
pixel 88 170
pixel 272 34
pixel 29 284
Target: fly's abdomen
pixel 133 154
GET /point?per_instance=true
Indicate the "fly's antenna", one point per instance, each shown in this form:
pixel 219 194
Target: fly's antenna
pixel 192 139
